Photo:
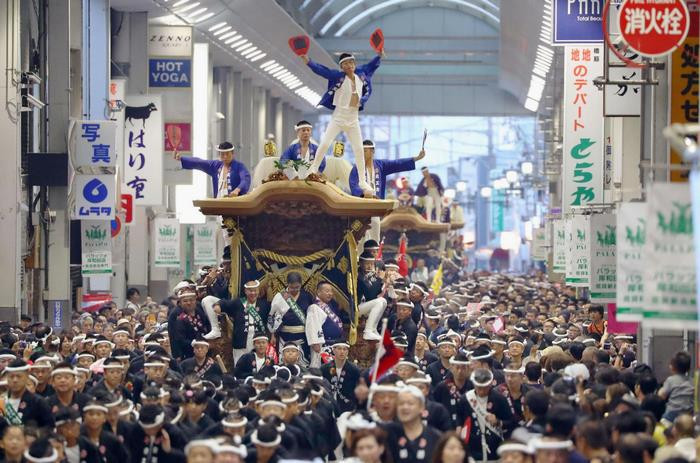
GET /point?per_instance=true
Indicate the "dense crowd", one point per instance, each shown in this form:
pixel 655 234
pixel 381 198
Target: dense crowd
pixel 492 368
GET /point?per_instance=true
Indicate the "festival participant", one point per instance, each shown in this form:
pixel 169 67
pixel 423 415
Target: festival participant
pixel 369 292
pixel 512 390
pixel 229 177
pixel 431 190
pixel 252 362
pixel 249 315
pixel 438 371
pixel 348 90
pixel 21 405
pixel 194 421
pixel 63 379
pixel 288 310
pixel 450 449
pixel 94 419
pixel 435 414
pixel 417 294
pixel 402 321
pixel 201 364
pixel 303 148
pixel 325 321
pixel 343 377
pixel 423 355
pixel 382 397
pixel 154 440
pixel 186 323
pixel 112 380
pixel 77 447
pixel 414 441
pixel 450 391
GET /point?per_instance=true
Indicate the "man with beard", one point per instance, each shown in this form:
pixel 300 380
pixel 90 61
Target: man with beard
pixel 186 323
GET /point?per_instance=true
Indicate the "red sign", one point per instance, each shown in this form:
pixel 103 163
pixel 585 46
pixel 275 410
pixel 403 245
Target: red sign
pixel 178 136
pixel 653 28
pixel 616 327
pixel 127 206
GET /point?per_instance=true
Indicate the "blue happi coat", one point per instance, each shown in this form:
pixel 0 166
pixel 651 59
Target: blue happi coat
pixel 382 169
pixel 293 153
pixel 336 77
pixel 238 175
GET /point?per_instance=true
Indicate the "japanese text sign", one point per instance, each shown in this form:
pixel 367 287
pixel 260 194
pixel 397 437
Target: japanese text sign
pixel 96 247
pixel 95 197
pixel 578 257
pixel 653 27
pixel 631 236
pixel 167 246
pixel 603 239
pixel 93 143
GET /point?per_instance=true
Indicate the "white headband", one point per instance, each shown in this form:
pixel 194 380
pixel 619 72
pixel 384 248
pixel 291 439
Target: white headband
pixel 302 126
pixel 159 420
pixel 458 362
pixel 383 388
pixel 273 403
pixel 100 408
pixel 234 424
pixel 59 371
pixel 50 459
pixel 541 444
pixel 514 447
pixel 414 391
pixel 254 439
pixel 16 369
pixel 341 61
pixel 239 450
pixel 199 341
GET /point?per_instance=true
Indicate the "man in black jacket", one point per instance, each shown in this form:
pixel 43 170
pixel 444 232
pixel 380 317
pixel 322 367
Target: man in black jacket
pixel 186 323
pixel 22 406
pixel 343 376
pixel 249 316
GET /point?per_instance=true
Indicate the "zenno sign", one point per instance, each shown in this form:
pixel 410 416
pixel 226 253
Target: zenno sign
pixel 654 27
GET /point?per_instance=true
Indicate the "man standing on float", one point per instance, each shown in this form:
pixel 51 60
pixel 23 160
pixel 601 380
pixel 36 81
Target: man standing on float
pixel 348 91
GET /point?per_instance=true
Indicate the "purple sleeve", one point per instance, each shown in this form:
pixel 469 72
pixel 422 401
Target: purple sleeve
pixel 397 165
pixel 204 165
pixel 323 71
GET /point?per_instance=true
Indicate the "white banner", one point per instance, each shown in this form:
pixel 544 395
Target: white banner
pixel 167 246
pixel 143 149
pixel 669 284
pixel 170 40
pixel 631 235
pixel 583 147
pixel 577 259
pixel 96 247
pixel 539 244
pixel 93 143
pixel 205 244
pixel 603 237
pixel 95 197
pixel 623 99
pixel 559 246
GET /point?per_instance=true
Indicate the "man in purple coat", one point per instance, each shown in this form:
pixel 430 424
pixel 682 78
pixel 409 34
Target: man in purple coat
pixel 229 177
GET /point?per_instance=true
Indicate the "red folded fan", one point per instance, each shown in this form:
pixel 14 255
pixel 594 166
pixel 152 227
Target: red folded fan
pixel 377 40
pixel 299 44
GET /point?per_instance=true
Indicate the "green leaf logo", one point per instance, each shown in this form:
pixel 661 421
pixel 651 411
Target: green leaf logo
pixel 608 238
pixel 95 233
pixel 679 222
pixel 167 230
pixel 581 235
pixel 638 236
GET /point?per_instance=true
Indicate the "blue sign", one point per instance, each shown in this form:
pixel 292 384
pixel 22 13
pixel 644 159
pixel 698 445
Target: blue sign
pixel 58 314
pixel 577 21
pixel 169 72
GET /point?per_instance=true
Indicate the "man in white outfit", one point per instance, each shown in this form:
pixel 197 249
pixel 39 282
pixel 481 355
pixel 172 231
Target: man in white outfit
pixel 348 91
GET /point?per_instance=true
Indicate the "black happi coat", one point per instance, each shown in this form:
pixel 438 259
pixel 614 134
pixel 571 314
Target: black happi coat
pixel 343 388
pixel 239 316
pixel 182 332
pixel 498 406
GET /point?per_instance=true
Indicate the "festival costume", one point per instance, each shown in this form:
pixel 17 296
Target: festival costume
pixel 238 176
pixel 288 318
pixel 293 153
pixel 324 323
pixel 248 319
pixel 343 382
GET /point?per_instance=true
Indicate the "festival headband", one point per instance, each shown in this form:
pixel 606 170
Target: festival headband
pixel 303 126
pixel 235 424
pixel 481 384
pixel 121 357
pixel 383 388
pixel 414 391
pixel 62 422
pixel 309 376
pixel 116 403
pixel 99 408
pixel 186 293
pixel 104 341
pixel 520 370
pixel 82 370
pixel 261 336
pixel 159 420
pixel 252 285
pixel 541 444
pixel 499 341
pixel 273 403
pixel 404 304
pixel 340 344
pixel 452 361
pixel 120 332
pixel 239 450
pixel 50 459
pixel 515 341
pixel 419 288
pixel 254 439
pixel 128 409
pixel 349 57
pixel 394 266
pixel 367 258
pixel 514 447
pixel 154 364
pixel 290 400
pixel 407 363
pixel 370 143
pixel 113 366
pixel 16 369
pixel 199 341
pixel 69 371
pixel 424 380
pixel 291 346
pixel 7 356
pixel 446 341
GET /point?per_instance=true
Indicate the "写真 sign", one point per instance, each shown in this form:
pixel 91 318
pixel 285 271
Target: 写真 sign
pixel 653 27
pixel 169 72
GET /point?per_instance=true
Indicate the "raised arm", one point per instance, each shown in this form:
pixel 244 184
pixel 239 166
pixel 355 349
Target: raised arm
pixel 323 71
pixel 372 66
pixel 189 162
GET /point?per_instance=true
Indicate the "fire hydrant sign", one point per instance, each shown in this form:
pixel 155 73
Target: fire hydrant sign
pixel 669 284
pixel 96 247
pixel 653 27
pixel 578 258
pixel 603 239
pixel 631 236
pixel 583 147
pixel 167 248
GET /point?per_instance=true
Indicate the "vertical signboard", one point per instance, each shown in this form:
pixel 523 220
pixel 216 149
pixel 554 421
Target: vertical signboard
pixel 167 245
pixel 95 197
pixel 170 74
pixel 539 244
pixel 583 147
pixel 559 245
pixel 143 149
pixel 669 284
pixel 683 106
pixel 205 244
pixel 603 239
pixel 96 247
pixel 631 236
pixel 578 258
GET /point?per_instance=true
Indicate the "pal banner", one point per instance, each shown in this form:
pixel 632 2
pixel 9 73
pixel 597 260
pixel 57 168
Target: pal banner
pixel 95 197
pixel 577 21
pixel 578 258
pixel 143 149
pixel 559 245
pixel 583 147
pixel 539 244
pixel 669 284
pixel 631 236
pixel 167 245
pixel 603 238
pixel 96 247
pixel 205 244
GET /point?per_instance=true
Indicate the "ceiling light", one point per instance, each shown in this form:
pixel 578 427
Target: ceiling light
pixel 250 52
pixel 218 26
pixel 223 33
pixel 187 8
pixel 202 18
pixel 197 13
pixel 257 56
pixel 486 191
pixel 239 43
pixel 526 167
pixel 267 63
pixel 244 47
pixel 531 105
pixel 274 68
pixel 232 39
pixel 181 2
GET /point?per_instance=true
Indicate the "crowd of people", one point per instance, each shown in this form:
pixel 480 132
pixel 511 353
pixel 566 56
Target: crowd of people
pixel 492 368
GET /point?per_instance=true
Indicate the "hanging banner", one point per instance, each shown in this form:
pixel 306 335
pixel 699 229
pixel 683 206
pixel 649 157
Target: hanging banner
pixel 93 143
pixel 559 245
pixel 167 246
pixel 143 146
pixel 539 244
pixel 95 197
pixel 583 146
pixel 631 236
pixel 578 257
pixel 205 244
pixel 669 284
pixel 117 94
pixel 170 40
pixel 683 89
pixel 577 21
pixel 96 247
pixel 603 238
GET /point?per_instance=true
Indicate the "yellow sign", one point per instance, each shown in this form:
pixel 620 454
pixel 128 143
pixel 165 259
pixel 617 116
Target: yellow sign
pixel 684 94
